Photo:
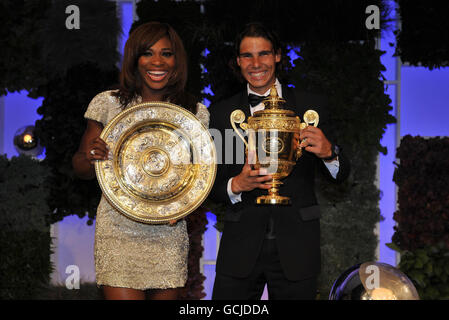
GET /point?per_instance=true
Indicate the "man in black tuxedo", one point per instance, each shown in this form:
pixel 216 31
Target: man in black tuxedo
pixel 277 245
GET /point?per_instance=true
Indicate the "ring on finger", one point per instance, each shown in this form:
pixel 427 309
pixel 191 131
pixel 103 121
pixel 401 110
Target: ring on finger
pixel 92 152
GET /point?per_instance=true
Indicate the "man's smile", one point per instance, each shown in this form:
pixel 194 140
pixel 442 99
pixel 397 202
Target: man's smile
pixel 259 75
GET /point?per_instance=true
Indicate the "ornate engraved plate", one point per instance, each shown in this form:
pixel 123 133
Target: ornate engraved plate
pixel 163 165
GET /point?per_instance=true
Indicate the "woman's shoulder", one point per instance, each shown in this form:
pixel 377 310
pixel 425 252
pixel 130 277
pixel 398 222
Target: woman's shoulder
pixel 202 113
pixel 102 106
pixel 108 96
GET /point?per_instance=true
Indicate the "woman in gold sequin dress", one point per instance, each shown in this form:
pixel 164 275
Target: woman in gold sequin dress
pixel 132 257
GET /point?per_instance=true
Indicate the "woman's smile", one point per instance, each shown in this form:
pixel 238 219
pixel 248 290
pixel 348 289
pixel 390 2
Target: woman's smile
pixel 157 75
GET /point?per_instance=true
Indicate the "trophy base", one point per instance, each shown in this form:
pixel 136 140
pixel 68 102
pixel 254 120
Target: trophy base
pixel 273 199
pixel 273 196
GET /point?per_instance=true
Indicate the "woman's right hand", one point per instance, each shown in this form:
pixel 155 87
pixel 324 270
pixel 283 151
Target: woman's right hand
pixel 97 150
pixel 92 148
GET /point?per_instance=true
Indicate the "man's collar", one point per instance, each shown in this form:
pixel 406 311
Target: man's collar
pixel 276 83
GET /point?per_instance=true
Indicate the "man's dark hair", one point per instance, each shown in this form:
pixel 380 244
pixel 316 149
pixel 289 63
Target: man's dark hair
pixel 258 30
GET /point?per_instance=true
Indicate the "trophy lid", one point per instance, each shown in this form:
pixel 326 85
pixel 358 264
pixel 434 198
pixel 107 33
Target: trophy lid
pixel 273 101
pixel 274 105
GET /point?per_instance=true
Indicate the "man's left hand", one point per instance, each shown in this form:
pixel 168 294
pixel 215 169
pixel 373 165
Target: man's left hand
pixel 313 140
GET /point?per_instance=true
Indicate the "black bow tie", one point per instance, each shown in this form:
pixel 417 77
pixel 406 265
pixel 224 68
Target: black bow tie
pixel 254 99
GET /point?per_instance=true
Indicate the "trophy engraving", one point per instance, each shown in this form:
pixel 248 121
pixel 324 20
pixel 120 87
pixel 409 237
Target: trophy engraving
pixel 273 136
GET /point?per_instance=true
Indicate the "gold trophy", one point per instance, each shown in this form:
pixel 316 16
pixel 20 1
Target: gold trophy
pixel 273 139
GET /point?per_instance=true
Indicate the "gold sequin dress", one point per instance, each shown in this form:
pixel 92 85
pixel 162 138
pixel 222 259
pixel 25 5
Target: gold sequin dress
pixel 130 254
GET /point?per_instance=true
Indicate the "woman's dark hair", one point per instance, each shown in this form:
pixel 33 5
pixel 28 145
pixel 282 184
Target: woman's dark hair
pixel 258 30
pixel 140 39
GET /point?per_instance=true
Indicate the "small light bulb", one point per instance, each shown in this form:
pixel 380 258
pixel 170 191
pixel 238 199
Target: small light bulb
pixel 28 138
pixel 382 294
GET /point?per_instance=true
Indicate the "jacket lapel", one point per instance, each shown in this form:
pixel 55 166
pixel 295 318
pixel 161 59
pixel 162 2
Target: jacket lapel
pixel 289 96
pixel 243 103
pixel 295 102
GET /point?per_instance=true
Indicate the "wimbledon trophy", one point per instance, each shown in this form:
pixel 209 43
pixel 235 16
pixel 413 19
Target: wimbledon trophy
pixel 163 165
pixel 273 139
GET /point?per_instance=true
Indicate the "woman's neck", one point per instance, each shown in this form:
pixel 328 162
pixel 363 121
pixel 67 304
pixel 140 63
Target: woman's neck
pixel 153 95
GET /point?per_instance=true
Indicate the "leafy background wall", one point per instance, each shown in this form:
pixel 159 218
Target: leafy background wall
pixel 422 230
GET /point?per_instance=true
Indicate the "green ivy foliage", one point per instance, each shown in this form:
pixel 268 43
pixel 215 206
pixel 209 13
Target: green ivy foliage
pixel 422 230
pixel 60 130
pixel 80 63
pixel 21 60
pixel 428 268
pixel 24 231
pixel 423 197
pixel 333 21
pixel 423 39
pixel 37 46
pixel 64 48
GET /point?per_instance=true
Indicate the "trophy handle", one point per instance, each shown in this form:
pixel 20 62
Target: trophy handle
pixel 310 117
pixel 302 126
pixel 238 116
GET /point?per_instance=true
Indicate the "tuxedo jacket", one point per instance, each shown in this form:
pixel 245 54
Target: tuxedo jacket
pixel 296 226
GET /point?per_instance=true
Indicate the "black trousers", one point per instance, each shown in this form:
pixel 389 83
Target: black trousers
pixel 267 271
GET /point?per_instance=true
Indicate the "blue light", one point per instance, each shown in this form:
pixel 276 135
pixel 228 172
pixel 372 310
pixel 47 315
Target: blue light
pixel 292 53
pixel 424 102
pixel 208 90
pixel 387 202
pixel 126 21
pixel 206 102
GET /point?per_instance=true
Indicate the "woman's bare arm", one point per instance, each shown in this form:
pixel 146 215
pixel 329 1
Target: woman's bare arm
pixel 83 160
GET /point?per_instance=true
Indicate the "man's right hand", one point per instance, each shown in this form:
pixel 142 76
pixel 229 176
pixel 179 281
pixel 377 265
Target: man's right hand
pixel 250 179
